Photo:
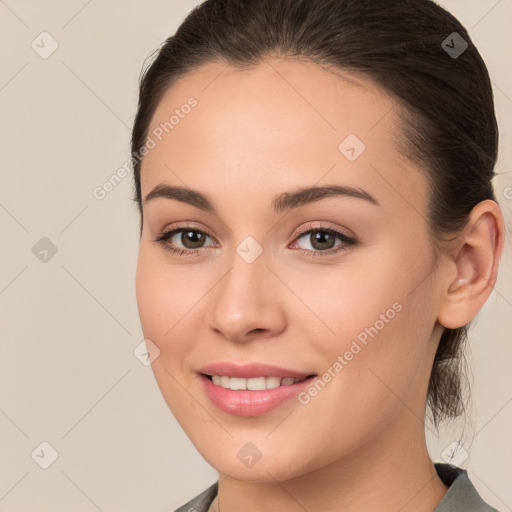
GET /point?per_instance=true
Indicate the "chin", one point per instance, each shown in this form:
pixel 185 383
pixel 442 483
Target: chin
pixel 243 461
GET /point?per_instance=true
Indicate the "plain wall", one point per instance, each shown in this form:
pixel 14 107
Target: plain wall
pixel 69 325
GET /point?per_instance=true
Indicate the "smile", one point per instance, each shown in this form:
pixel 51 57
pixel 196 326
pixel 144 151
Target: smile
pixel 252 395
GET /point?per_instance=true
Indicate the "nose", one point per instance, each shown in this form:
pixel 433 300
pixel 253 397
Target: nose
pixel 247 302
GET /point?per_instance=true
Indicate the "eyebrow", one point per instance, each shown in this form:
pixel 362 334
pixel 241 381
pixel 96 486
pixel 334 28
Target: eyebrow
pixel 281 202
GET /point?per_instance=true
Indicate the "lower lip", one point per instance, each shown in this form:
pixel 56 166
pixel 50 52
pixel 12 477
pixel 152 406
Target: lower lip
pixel 251 403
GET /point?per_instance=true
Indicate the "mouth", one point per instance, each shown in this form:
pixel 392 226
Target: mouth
pixel 251 390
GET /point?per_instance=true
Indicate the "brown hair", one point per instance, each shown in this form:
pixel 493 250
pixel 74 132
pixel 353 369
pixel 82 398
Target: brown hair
pixel 445 101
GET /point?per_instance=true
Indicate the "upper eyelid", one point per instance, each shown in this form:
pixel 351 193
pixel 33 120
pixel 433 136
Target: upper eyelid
pixel 310 227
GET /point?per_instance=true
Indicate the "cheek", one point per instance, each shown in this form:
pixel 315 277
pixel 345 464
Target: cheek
pixel 380 321
pixel 384 291
pixel 165 296
pixel 353 297
pixel 165 303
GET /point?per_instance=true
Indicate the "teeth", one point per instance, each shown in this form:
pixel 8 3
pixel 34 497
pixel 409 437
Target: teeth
pixel 237 383
pixel 254 383
pixel 257 383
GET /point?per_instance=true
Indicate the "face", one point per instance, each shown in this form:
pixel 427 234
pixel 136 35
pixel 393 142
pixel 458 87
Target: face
pixel 333 291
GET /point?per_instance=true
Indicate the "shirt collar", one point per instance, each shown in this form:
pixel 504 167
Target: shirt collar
pixel 461 494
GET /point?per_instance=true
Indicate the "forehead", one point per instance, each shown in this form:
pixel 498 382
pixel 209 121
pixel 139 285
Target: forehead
pixel 277 124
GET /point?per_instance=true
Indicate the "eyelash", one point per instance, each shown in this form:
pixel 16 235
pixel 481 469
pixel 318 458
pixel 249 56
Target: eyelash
pixel 163 238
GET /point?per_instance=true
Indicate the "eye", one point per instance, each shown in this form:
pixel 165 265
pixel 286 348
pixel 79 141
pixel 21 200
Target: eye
pixel 192 240
pixel 320 241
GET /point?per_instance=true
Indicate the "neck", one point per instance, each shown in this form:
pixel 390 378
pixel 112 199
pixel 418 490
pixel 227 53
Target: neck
pixel 392 472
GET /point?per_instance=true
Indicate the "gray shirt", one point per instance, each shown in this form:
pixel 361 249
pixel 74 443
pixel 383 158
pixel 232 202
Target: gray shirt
pixel 461 496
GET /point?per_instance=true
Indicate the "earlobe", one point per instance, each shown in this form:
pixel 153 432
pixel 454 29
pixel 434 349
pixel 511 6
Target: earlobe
pixel 476 266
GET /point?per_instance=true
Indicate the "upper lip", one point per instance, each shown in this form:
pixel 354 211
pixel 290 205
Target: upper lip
pixel 250 370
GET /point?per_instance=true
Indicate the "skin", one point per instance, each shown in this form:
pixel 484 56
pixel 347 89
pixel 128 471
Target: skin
pixel 360 443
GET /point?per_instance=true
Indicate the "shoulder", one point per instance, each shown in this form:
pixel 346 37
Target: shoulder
pixel 462 494
pixel 201 502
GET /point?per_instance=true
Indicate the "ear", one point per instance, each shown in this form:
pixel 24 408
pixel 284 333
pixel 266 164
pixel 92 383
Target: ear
pixel 475 266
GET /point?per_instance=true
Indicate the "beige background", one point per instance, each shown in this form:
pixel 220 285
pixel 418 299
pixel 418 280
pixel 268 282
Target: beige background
pixel 68 375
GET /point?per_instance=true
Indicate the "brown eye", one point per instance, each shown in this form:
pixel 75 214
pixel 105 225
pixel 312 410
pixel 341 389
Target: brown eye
pixel 322 241
pixel 192 239
pixel 185 241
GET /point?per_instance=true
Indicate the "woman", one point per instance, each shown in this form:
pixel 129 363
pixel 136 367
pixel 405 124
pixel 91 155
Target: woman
pixel 318 229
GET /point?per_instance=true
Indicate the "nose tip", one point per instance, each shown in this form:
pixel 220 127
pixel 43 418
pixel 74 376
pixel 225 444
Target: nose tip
pixel 242 328
pixel 244 305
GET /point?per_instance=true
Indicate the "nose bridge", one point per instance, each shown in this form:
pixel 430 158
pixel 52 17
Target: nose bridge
pixel 244 299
